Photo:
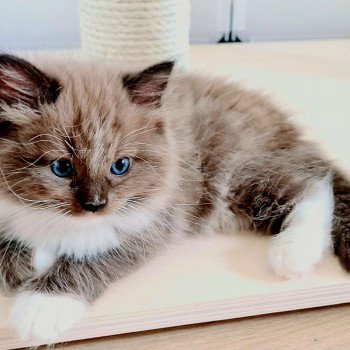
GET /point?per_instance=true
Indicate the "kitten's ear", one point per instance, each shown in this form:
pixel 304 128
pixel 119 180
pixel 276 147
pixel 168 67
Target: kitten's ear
pixel 21 82
pixel 147 87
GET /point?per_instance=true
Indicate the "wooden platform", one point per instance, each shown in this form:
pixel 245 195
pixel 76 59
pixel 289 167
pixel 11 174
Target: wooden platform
pixel 202 280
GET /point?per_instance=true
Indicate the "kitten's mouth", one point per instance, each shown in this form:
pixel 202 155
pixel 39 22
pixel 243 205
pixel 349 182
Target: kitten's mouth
pixel 90 217
pixel 94 207
pixel 89 209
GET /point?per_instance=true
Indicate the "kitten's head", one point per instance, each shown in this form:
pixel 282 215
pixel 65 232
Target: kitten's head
pixel 84 141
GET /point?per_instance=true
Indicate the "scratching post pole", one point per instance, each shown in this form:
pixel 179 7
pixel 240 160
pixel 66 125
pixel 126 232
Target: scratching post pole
pixel 135 33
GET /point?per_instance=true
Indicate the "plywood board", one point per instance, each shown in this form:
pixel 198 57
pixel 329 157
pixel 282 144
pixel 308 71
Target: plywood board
pixel 200 280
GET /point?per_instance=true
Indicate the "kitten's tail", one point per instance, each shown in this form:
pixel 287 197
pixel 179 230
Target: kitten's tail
pixel 341 221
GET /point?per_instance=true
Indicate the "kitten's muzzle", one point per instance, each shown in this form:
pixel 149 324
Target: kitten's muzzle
pixel 94 206
pixel 93 198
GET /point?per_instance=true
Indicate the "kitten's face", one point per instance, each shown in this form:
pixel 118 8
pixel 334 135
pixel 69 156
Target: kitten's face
pixel 92 146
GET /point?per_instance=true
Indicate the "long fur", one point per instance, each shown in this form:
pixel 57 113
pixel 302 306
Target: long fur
pixel 205 154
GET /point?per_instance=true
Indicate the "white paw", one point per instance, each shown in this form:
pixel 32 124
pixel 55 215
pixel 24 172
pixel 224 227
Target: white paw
pixel 307 237
pixel 290 256
pixel 45 316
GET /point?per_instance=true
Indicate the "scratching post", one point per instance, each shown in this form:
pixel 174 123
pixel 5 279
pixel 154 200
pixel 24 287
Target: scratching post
pixel 136 33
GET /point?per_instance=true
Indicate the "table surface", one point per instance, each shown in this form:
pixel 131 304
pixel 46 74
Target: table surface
pixel 312 79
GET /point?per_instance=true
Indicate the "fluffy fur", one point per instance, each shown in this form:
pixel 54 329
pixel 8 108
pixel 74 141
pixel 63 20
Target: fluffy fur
pixel 45 316
pixel 306 234
pixel 205 154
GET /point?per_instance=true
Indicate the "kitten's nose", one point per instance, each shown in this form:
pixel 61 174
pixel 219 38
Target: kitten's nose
pixel 94 206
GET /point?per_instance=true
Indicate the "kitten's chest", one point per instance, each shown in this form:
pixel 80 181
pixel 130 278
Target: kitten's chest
pixel 43 259
pixel 75 241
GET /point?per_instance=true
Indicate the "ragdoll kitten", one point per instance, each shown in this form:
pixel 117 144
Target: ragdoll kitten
pixel 98 168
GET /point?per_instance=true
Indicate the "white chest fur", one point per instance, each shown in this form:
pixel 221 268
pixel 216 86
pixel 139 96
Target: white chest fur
pixel 43 259
pixel 51 238
pixel 78 241
pixel 52 235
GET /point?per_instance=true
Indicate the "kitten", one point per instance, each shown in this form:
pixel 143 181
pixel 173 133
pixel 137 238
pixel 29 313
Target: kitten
pixel 99 168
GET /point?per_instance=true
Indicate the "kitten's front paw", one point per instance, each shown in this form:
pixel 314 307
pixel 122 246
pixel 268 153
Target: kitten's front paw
pixel 45 316
pixel 291 257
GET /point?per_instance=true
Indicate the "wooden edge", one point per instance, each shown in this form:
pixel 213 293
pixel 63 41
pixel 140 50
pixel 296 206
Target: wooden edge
pixel 192 314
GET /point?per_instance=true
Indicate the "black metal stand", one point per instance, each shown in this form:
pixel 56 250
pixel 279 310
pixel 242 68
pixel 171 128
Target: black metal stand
pixel 231 37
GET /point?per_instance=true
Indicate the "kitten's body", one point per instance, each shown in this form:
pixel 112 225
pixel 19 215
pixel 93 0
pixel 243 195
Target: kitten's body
pixel 205 155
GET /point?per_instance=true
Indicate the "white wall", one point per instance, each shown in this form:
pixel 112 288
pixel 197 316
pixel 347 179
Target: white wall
pixel 264 20
pixel 40 24
pixel 296 19
pixel 209 19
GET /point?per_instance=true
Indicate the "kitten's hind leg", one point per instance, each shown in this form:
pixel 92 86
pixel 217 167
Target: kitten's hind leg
pixel 306 232
pixel 341 220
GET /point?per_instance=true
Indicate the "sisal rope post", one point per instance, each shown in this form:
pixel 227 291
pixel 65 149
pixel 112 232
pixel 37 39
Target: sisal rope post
pixel 136 33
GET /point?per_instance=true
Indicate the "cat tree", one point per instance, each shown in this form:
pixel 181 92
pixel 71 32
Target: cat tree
pixel 135 33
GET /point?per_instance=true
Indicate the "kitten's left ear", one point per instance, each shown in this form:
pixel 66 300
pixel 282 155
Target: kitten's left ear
pixel 147 87
pixel 21 82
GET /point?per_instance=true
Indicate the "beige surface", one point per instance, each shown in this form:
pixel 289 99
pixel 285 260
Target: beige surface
pixel 317 329
pixel 224 277
pixel 204 280
pixel 319 59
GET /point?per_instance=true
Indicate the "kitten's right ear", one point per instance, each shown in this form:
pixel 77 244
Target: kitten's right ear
pixel 21 82
pixel 147 87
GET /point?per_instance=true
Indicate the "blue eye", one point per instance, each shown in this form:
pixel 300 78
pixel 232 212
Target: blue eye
pixel 62 168
pixel 121 166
